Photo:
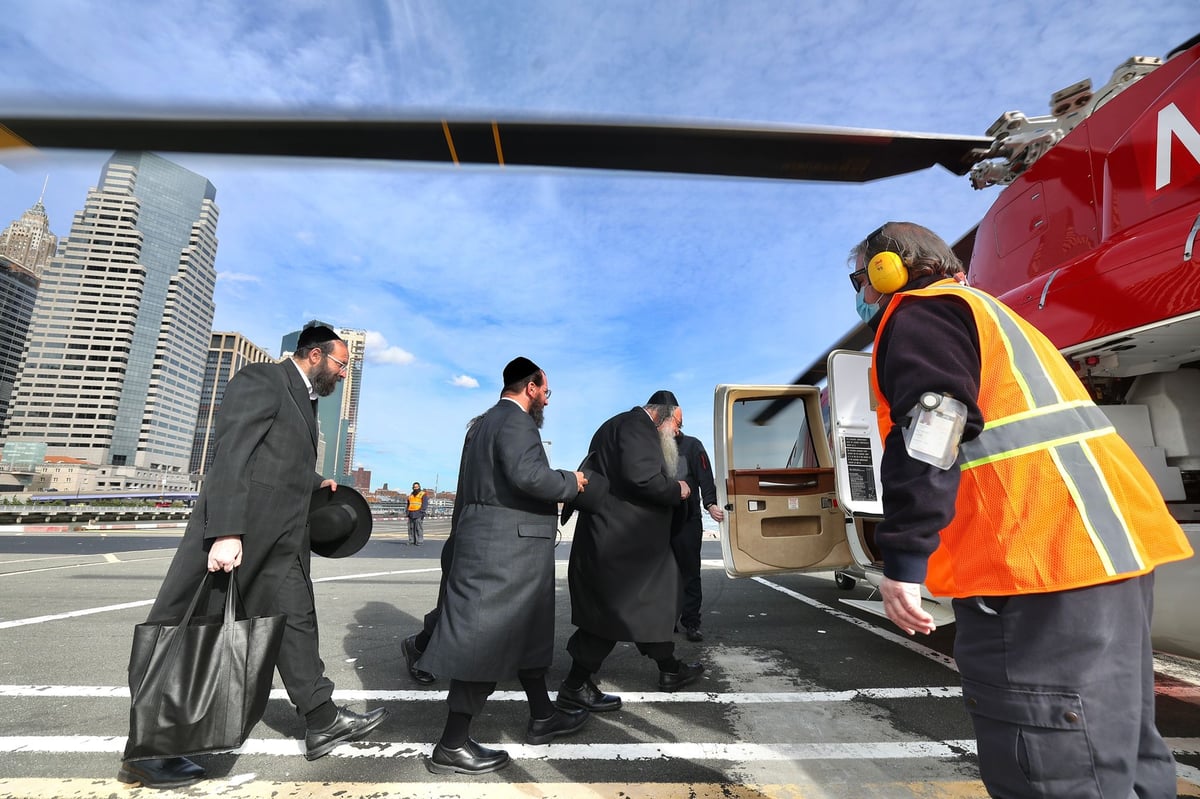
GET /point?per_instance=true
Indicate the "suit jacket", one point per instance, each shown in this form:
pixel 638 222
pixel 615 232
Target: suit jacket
pixel 622 574
pixel 696 469
pixel 497 612
pixel 259 486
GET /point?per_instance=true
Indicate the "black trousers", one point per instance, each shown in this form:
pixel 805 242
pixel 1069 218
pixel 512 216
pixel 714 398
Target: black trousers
pixel 469 697
pixel 299 665
pixel 1060 688
pixel 589 650
pixel 685 544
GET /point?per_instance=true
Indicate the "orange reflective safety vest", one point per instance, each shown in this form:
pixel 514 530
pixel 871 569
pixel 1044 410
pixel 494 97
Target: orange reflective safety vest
pixel 1051 498
pixel 415 500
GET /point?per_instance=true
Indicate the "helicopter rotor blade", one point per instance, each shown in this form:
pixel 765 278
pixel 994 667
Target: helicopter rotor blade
pixel 787 153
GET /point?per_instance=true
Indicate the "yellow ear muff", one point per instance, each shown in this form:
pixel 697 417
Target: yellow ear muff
pixel 887 273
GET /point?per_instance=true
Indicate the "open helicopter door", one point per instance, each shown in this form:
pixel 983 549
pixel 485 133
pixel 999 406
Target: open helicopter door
pixel 857 454
pixel 775 480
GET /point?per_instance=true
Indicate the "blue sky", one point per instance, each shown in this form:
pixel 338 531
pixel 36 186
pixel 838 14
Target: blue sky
pixel 616 284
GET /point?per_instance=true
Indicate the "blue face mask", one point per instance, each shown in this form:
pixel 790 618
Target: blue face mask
pixel 866 311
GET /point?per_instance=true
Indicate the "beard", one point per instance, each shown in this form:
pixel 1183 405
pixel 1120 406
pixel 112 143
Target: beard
pixel 670 449
pixel 537 411
pixel 324 382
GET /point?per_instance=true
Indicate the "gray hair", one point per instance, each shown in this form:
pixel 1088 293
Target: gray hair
pixel 922 250
pixel 661 413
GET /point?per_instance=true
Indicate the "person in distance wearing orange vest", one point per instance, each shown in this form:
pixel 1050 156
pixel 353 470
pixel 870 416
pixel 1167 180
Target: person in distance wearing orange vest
pixel 1007 489
pixel 418 501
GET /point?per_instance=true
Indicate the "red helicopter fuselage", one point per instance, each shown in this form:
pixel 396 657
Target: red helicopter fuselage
pixel 1092 240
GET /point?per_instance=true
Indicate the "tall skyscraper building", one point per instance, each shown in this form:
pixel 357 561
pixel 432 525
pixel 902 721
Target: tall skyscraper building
pixel 28 240
pixel 337 414
pixel 227 353
pixel 115 361
pixel 18 292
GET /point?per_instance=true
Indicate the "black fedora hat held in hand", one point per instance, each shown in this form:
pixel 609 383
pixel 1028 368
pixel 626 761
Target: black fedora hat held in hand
pixel 339 522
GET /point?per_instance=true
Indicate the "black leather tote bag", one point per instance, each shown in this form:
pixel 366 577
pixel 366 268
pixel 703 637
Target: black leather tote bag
pixel 200 684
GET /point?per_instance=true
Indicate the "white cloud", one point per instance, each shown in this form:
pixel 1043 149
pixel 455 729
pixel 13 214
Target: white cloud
pixel 465 381
pixel 238 277
pixel 379 351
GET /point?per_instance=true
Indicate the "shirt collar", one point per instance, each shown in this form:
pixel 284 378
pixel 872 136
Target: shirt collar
pixel 312 394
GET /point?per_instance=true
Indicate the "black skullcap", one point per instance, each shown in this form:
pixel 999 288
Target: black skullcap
pixel 518 368
pixel 663 397
pixel 317 334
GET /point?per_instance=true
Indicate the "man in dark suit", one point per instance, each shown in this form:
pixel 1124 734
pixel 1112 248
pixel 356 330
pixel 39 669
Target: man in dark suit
pixel 687 527
pixel 497 602
pixel 623 577
pixel 252 513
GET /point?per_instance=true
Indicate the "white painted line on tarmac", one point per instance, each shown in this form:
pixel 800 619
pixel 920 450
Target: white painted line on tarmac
pixel 895 638
pixel 366 575
pixel 4 625
pixel 659 697
pixel 737 752
pixel 127 605
pixel 108 559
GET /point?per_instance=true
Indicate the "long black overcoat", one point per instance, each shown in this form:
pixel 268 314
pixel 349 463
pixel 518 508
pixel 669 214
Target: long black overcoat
pixel 623 577
pixel 497 614
pixel 259 486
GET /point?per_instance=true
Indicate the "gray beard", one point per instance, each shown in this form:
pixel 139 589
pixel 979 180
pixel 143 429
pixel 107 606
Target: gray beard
pixel 670 450
pixel 537 411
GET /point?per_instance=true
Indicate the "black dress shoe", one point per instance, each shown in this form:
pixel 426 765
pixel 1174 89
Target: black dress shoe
pixel 588 697
pixel 171 772
pixel 687 674
pixel 694 634
pixel 411 656
pixel 348 726
pixel 470 758
pixel 563 722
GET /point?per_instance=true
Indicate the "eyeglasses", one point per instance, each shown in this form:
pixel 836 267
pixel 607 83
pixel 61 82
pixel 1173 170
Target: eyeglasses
pixel 547 392
pixel 342 365
pixel 856 278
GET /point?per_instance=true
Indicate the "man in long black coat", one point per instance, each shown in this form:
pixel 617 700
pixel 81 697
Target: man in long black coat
pixel 623 576
pixel 252 513
pixel 497 599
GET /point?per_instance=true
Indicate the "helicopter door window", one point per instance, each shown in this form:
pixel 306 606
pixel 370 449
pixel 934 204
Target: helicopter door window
pixel 785 442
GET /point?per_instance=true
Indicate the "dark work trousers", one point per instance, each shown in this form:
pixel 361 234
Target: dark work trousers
pixel 589 650
pixel 1060 688
pixel 416 529
pixel 300 666
pixel 685 543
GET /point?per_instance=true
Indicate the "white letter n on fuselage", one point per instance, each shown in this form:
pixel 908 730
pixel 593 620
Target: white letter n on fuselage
pixel 1172 121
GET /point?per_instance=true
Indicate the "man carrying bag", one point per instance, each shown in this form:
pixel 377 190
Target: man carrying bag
pixel 254 514
pixel 201 684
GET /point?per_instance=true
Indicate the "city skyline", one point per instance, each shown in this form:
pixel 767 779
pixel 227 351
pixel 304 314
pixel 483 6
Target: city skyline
pixel 113 368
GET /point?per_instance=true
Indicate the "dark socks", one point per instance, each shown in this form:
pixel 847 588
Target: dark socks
pixel 577 676
pixel 458 726
pixel 540 706
pixel 422 641
pixel 321 716
pixel 669 665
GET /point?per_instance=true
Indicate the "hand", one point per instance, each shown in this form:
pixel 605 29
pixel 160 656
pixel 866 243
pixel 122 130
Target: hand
pixel 580 481
pixel 685 490
pixel 225 553
pixel 902 604
pixel 331 483
pixel 716 513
